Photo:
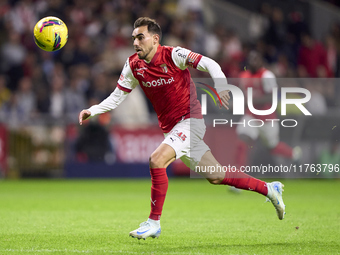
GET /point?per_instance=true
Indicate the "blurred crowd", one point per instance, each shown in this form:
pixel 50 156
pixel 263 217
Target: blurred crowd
pixel 35 83
pixel 335 2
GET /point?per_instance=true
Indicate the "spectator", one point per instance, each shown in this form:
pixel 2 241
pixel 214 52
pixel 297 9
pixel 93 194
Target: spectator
pixel 259 22
pixel 232 46
pixel 57 98
pixel 14 54
pixel 74 100
pixel 5 93
pixel 20 109
pixel 11 113
pixel 175 35
pixel 331 50
pixel 93 143
pixel 43 102
pixel 26 98
pixel 100 89
pixel 312 56
pixel 296 26
pixel 23 16
pixel 184 6
pixel 276 33
pixel 194 32
pixel 213 43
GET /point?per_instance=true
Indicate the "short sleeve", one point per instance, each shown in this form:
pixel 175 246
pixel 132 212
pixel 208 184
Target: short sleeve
pixel 268 81
pixel 183 58
pixel 127 82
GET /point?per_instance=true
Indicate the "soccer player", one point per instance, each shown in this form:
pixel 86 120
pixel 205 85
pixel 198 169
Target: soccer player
pixel 162 72
pixel 262 81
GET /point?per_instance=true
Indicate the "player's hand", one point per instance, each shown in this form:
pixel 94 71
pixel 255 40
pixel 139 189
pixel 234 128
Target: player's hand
pixel 83 115
pixel 224 95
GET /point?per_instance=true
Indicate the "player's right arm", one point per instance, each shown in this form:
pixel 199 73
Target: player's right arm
pixel 126 83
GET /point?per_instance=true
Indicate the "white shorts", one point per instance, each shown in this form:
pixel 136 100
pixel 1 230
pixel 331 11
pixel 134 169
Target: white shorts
pixel 186 138
pixel 269 132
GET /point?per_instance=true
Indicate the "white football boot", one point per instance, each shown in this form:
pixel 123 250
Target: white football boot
pixel 149 228
pixel 274 195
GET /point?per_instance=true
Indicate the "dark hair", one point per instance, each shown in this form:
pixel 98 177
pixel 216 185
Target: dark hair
pixel 153 26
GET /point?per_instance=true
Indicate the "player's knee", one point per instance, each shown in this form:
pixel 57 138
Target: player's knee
pixel 156 160
pixel 214 181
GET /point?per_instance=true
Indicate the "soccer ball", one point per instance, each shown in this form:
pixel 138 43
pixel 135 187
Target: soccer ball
pixel 50 34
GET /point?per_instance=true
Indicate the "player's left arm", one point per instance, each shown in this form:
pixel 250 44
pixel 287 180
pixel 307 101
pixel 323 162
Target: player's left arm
pixel 184 58
pixel 206 64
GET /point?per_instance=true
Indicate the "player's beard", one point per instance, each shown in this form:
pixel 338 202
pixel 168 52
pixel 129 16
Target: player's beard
pixel 146 53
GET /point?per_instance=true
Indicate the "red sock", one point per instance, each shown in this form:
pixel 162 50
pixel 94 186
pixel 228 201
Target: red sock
pixel 241 180
pixel 159 187
pixel 282 149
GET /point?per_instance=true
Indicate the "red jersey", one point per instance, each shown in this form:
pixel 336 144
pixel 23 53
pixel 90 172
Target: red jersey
pixel 166 82
pixel 262 82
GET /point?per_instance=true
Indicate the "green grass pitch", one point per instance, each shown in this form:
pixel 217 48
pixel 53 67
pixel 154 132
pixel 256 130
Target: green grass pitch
pixel 96 216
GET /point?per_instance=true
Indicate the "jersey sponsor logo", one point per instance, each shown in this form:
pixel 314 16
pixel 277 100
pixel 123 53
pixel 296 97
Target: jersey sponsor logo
pixel 181 55
pixel 121 78
pixel 165 68
pixel 159 82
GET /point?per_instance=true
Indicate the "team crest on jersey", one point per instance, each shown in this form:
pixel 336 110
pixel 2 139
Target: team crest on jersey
pixel 191 62
pixel 165 68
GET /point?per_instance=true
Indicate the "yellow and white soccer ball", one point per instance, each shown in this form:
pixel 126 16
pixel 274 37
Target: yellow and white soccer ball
pixel 50 34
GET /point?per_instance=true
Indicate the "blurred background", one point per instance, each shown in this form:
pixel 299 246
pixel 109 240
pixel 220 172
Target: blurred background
pixel 42 93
